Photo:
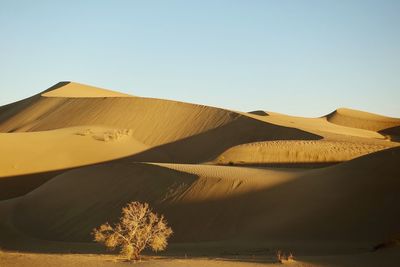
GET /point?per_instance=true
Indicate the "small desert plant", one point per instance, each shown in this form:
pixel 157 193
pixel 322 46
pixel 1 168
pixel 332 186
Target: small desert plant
pixel 282 257
pixel 279 256
pixel 137 229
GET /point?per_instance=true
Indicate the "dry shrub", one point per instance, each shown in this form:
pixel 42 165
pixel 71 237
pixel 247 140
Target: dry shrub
pixel 282 257
pixel 138 228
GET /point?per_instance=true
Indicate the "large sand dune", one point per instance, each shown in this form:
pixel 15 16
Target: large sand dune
pixel 73 155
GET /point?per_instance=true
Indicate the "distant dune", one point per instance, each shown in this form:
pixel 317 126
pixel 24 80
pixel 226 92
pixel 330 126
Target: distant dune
pixel 361 119
pixel 73 155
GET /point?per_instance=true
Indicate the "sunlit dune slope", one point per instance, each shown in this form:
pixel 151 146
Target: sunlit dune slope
pixel 33 152
pixel 352 201
pixel 296 152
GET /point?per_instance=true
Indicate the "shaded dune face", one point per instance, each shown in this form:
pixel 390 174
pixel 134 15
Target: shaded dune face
pixel 75 154
pixel 354 201
pixel 103 190
pixel 392 133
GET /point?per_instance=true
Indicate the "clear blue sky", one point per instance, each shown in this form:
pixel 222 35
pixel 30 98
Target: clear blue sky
pixel 297 57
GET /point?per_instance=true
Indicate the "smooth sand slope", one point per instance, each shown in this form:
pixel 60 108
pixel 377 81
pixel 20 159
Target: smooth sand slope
pixel 298 152
pixel 33 152
pixel 73 155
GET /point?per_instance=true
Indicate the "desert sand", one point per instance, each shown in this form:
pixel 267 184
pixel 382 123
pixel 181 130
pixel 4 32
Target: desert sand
pixel 234 186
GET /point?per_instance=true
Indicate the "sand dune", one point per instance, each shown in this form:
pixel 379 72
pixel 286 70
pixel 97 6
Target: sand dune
pixel 361 119
pixel 73 155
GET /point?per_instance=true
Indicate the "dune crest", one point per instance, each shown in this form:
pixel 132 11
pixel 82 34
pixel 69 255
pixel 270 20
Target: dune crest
pixel 72 89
